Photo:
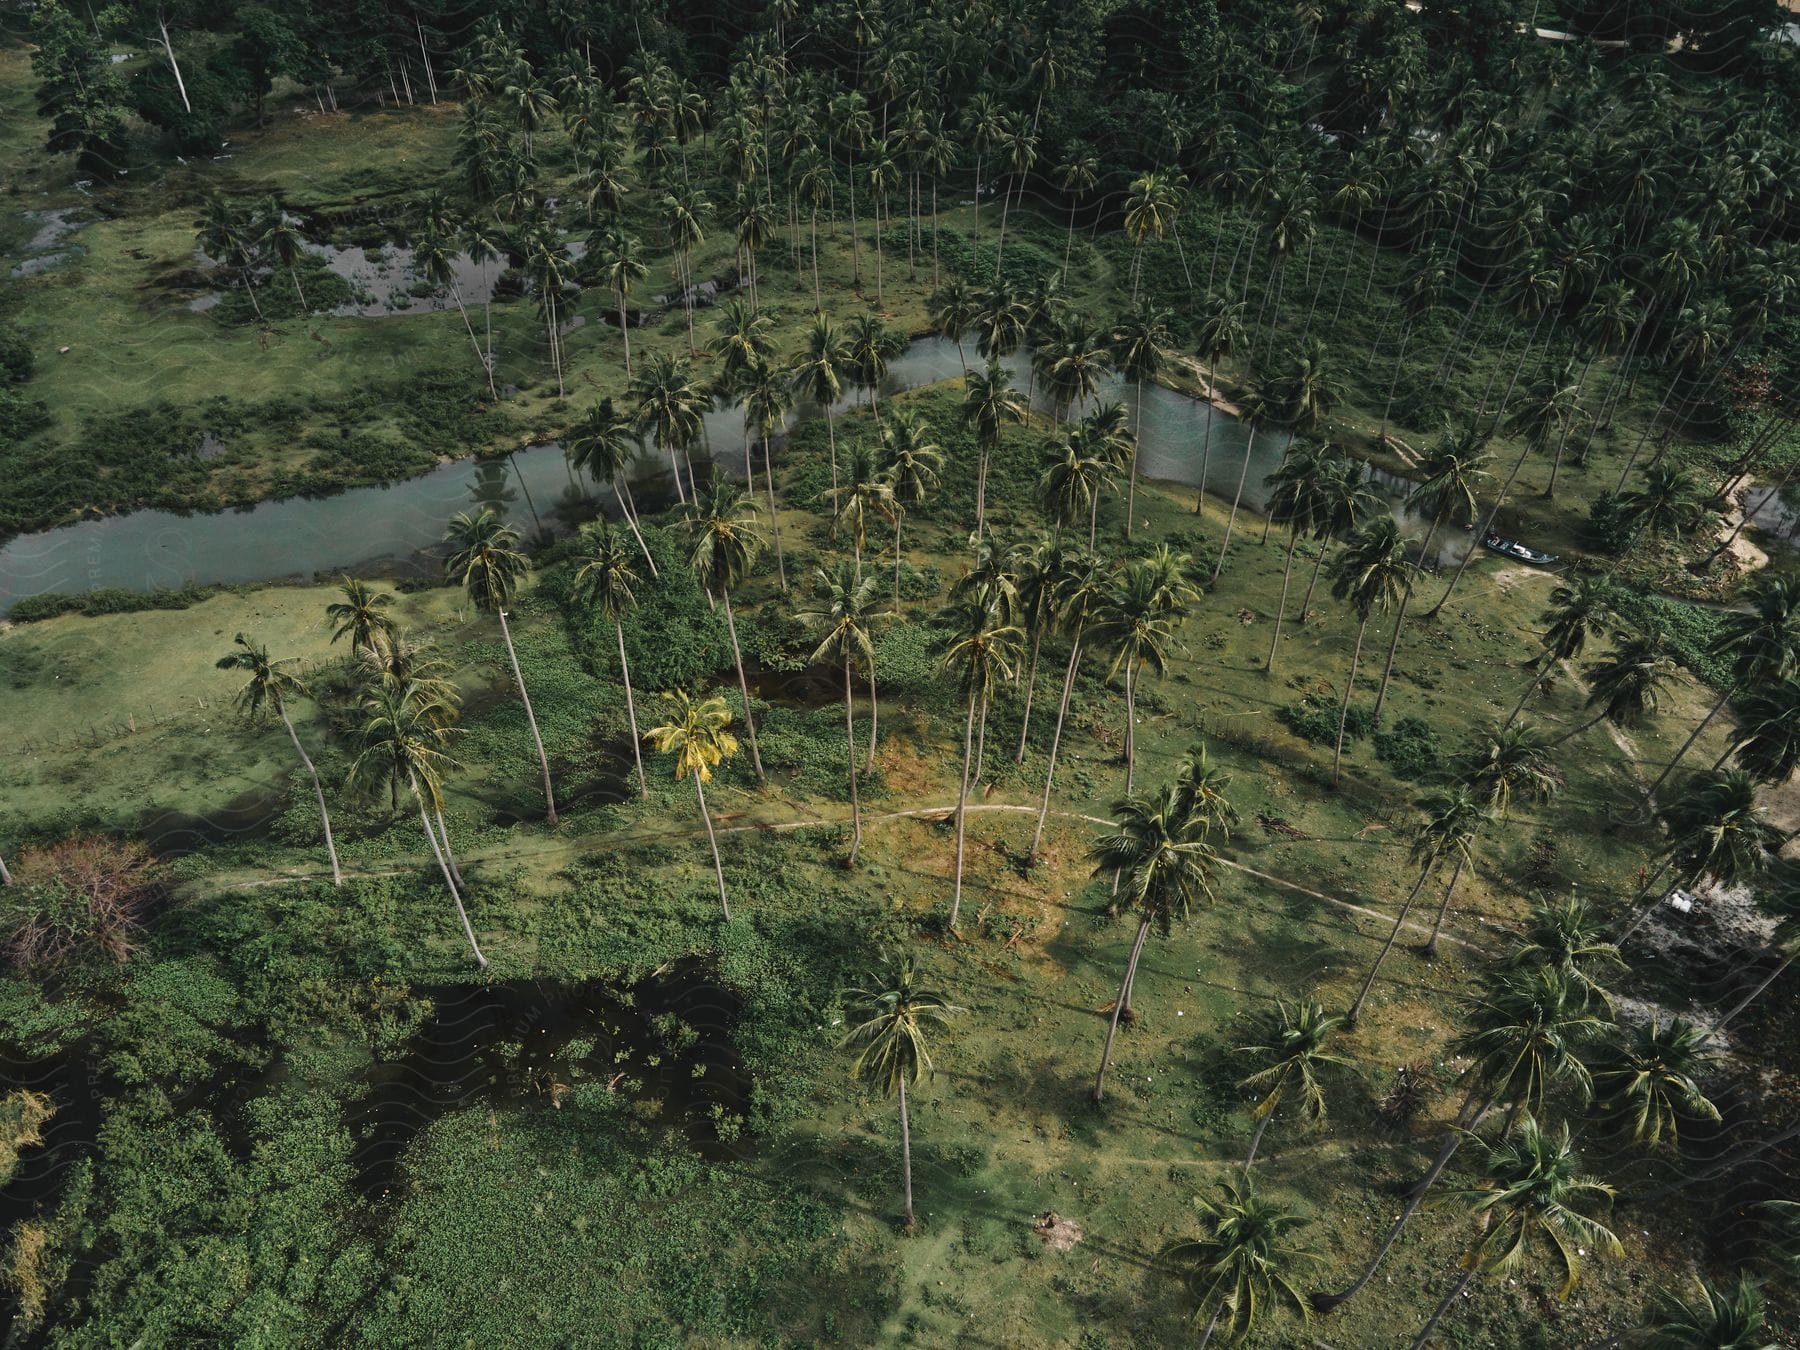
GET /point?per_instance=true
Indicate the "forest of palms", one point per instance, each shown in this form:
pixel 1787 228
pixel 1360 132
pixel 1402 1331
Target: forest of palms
pixel 1253 802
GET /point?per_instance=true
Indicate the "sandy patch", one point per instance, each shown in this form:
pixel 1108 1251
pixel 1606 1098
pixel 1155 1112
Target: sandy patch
pixel 1056 1232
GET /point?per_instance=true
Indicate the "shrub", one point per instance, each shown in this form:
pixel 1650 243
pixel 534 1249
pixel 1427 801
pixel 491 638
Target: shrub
pixel 1410 749
pixel 16 359
pixel 85 897
pixel 1315 718
pixel 106 600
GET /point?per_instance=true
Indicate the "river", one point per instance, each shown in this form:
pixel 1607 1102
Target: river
pixel 388 526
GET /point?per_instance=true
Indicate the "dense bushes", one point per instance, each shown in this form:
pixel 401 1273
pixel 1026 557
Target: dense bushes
pixel 106 600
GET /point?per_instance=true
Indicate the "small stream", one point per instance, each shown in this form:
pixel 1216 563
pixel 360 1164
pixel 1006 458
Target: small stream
pixel 386 527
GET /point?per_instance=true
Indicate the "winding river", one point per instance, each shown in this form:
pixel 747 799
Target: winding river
pixel 388 526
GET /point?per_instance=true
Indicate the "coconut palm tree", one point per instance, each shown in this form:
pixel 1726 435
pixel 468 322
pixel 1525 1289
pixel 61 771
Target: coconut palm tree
pixel 1151 205
pixel 681 215
pixel 620 259
pixel 1568 936
pixel 1076 176
pixel 1628 683
pixel 1221 333
pixel 1449 476
pixel 434 259
pixel 1446 831
pixel 1715 1317
pixel 1716 828
pixel 547 265
pixel 1294 502
pixel 818 372
pixel 952 310
pixel 890 1041
pixel 1071 358
pixel 746 336
pixel 1136 619
pixel 1371 573
pixel 280 234
pixel 605 580
pixel 1589 608
pixel 1293 1045
pixel 864 494
pixel 726 542
pixel 1038 572
pixel 1649 1078
pixel 1138 341
pixel 1344 496
pixel 1766 741
pixel 267 685
pixel 767 399
pixel 1164 865
pixel 1246 1263
pixel 605 445
pixel 1532 1195
pixel 1513 761
pixel 842 623
pixel 910 462
pixel 869 344
pixel 1002 321
pixel 983 654
pixel 403 737
pixel 697 735
pixel 485 558
pixel 988 405
pixel 1084 588
pixel 1667 506
pixel 1762 643
pixel 1075 472
pixel 671 406
pixel 362 616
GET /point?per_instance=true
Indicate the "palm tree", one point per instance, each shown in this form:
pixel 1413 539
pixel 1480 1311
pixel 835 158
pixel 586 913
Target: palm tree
pixel 1077 177
pixel 1293 500
pixel 842 624
pixel 1075 472
pixel 911 463
pixel 982 655
pixel 1567 936
pixel 268 686
pixel 726 542
pixel 1717 828
pixel 868 345
pixel 890 1042
pixel 1447 831
pixel 1038 573
pixel 1083 589
pixel 1762 643
pixel 434 259
pixel 486 559
pixel 403 737
pixel 622 266
pixel 1766 740
pixel 1589 608
pixel 1449 476
pixel 864 493
pixel 1136 619
pixel 818 373
pixel 671 406
pixel 605 580
pixel 1667 505
pixel 1072 357
pixel 1343 497
pixel 746 336
pixel 1164 864
pixel 1294 1046
pixel 1513 761
pixel 1151 205
pixel 681 218
pixel 767 399
pixel 988 404
pixel 605 446
pixel 1532 1194
pixel 696 734
pixel 1002 321
pixel 1649 1079
pixel 1246 1262
pixel 1139 339
pixel 547 263
pixel 1715 1318
pixel 1627 684
pixel 1370 574
pixel 362 617
pixel 953 310
pixel 1221 333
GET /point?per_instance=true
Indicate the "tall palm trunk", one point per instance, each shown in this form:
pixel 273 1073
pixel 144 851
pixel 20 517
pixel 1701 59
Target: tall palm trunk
pixel 5 876
pixel 628 509
pixel 486 366
pixel 1443 1307
pixel 1256 1138
pixel 1130 722
pixel 906 1153
pixel 625 333
pixel 874 720
pixel 444 867
pixel 899 520
pixel 831 441
pixel 713 839
pixel 443 829
pixel 1312 583
pixel 1437 924
pixel 737 656
pixel 1467 1119
pixel 1112 1027
pixel 1337 758
pixel 1205 458
pixel 1236 497
pixel 1688 744
pixel 850 747
pixel 1487 524
pixel 637 752
pixel 818 301
pixel 1387 668
pixel 1750 997
pixel 530 717
pixel 1281 608
pixel 1062 713
pixel 774 521
pixel 1137 437
pixel 962 804
pixel 337 875
pixel 1386 947
pixel 1030 688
